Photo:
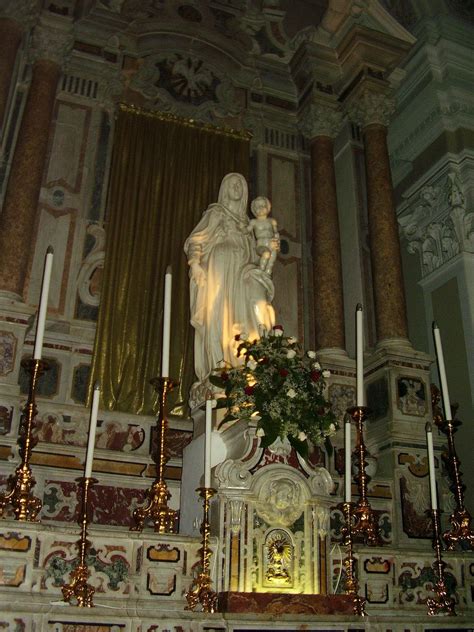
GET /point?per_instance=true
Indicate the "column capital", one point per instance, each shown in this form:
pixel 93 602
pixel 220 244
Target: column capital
pixel 24 12
pixel 320 120
pixel 371 108
pixel 52 41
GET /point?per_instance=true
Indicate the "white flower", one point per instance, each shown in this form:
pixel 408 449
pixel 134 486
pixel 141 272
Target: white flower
pixel 311 354
pixel 332 429
pixel 291 354
pixel 326 373
pixel 302 436
pixel 260 432
pixel 291 393
pixel 277 332
pixel 251 364
pixel 292 340
pixel 316 366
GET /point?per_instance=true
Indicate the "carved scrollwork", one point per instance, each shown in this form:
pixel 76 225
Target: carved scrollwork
pixel 88 281
pixel 184 84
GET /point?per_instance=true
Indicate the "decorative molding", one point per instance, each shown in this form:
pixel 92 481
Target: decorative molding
pixel 184 84
pixel 437 224
pixel 88 293
pixel 320 120
pixel 371 108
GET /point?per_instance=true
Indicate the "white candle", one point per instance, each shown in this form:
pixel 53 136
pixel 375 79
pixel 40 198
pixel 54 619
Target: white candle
pixel 431 467
pixel 347 461
pixel 165 353
pixel 207 443
pixel 359 356
pixel 43 305
pixel 442 373
pixel 92 429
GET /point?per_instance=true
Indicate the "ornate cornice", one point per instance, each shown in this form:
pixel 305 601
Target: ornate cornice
pixel 371 108
pixel 52 42
pixel 320 120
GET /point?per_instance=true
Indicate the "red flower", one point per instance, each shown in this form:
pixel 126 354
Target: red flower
pixel 224 376
pixel 278 327
pixel 248 390
pixel 283 372
pixel 237 337
pixel 315 375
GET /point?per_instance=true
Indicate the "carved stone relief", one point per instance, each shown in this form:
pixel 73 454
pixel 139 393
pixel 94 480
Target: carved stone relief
pixel 185 84
pixel 437 224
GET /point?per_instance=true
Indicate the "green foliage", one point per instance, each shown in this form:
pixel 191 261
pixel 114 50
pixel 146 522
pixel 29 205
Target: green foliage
pixel 282 388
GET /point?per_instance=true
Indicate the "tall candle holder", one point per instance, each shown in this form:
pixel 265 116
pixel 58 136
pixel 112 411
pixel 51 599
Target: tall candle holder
pixel 349 562
pixel 442 603
pixel 158 495
pixel 365 519
pixel 19 496
pixel 460 531
pixel 78 586
pixel 200 590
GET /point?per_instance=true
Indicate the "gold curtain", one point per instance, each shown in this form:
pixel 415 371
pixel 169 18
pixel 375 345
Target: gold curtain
pixel 164 174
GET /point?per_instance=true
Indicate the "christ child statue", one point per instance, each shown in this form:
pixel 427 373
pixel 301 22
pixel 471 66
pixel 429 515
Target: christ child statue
pixel 266 233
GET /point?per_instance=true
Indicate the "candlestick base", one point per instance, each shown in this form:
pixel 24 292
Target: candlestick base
pixel 200 591
pixel 156 510
pixel 349 562
pixel 78 586
pixel 442 604
pixel 365 519
pixel 19 495
pixel 365 523
pixel 460 532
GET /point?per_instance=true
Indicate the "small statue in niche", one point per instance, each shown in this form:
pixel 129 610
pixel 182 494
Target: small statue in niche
pixel 279 557
pixel 266 233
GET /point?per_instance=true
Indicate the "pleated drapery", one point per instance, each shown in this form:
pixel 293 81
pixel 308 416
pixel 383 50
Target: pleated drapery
pixel 164 174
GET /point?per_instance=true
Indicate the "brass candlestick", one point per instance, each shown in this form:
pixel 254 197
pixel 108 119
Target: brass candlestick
pixel 158 495
pixel 200 590
pixel 349 562
pixel 460 531
pixel 78 586
pixel 19 495
pixel 442 604
pixel 365 520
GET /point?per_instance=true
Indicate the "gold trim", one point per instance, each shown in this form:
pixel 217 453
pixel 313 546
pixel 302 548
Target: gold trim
pixel 172 118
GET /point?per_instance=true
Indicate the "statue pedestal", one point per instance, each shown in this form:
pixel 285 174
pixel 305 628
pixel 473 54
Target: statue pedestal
pixel 270 514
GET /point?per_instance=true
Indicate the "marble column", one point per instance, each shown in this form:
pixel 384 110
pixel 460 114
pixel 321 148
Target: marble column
pixel 321 124
pixel 19 215
pixel 371 111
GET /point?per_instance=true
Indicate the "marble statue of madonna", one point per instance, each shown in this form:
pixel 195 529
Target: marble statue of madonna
pixel 229 294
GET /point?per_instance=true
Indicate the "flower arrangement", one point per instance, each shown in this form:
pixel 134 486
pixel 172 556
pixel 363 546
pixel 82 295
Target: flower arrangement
pixel 281 387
